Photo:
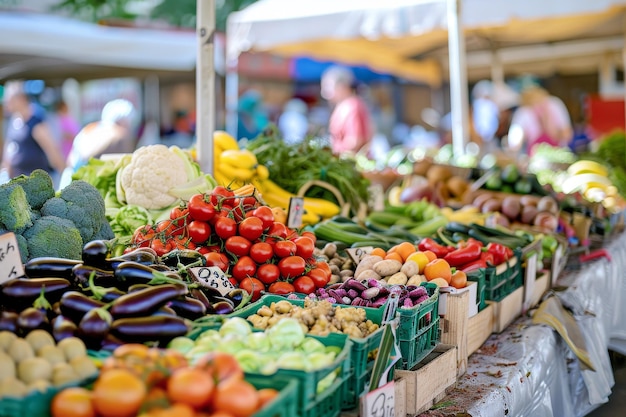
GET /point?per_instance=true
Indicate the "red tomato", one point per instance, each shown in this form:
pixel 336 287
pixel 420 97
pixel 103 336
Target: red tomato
pixel 268 273
pixel 169 228
pixel 143 235
pixel 245 267
pixel 201 208
pixel 237 213
pixel 249 204
pixel 319 277
pixel 252 286
pixel 178 215
pixel 265 214
pixel 225 227
pixel 238 246
pixel 251 228
pixel 291 267
pixel 217 259
pixel 281 287
pixel 291 234
pixel 261 252
pixel 304 285
pixel 161 247
pixel 310 235
pixel 219 194
pixel 285 248
pixel 182 242
pixel 305 247
pixel 199 231
pixel 278 229
pixel 324 267
pixel 203 249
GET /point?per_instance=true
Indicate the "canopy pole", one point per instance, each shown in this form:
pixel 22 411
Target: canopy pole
pixel 205 84
pixel 458 79
pixel 497 68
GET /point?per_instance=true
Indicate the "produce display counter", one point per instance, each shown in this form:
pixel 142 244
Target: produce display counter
pixel 528 370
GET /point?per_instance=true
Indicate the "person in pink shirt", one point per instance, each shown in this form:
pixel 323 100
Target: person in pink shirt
pixel 350 125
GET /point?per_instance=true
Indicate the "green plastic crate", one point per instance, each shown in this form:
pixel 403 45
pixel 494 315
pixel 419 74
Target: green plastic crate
pixel 418 329
pixel 286 402
pixel 362 348
pixel 504 279
pixel 479 276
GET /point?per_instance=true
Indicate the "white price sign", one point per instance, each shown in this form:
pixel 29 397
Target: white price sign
pixel 10 258
pixel 530 278
pixel 380 402
pixel 295 212
pixel 214 277
pixel 357 254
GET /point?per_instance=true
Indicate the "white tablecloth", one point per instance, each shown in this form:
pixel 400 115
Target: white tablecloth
pixel 528 370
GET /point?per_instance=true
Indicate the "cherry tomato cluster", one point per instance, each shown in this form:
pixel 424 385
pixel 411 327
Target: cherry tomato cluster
pixel 239 235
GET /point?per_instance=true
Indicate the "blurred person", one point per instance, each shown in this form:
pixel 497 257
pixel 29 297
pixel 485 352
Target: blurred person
pixel 252 116
pixel 182 134
pixel 28 143
pixel 113 133
pixel 485 114
pixel 293 123
pixel 350 125
pixel 540 118
pixel 68 128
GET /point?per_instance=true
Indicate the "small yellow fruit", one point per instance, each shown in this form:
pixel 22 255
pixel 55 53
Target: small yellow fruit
pixel 420 259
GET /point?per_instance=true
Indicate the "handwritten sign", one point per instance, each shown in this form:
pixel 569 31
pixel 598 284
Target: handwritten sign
pixel 10 258
pixel 213 277
pixel 295 212
pixel 357 254
pixel 380 402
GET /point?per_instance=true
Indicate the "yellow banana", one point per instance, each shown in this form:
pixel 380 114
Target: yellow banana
pixel 224 141
pixel 234 173
pixel 262 172
pixel 580 182
pixel 585 166
pixel 280 197
pixel 309 218
pixel 239 159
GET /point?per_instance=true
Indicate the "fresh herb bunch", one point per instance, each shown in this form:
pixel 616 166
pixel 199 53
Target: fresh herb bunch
pixel 293 165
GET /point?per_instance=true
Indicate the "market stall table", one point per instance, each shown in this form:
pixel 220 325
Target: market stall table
pixel 528 370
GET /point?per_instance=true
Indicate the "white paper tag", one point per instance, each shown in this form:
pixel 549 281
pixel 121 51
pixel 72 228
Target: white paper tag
pixel 380 402
pixel 295 212
pixel 357 254
pixel 214 277
pixel 556 263
pixel 377 197
pixel 529 278
pixel 10 258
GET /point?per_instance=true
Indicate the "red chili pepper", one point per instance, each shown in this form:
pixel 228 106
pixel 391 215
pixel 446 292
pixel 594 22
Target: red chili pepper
pixel 499 252
pixel 462 256
pixel 473 266
pixel 429 244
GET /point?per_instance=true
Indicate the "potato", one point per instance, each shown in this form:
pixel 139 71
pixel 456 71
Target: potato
pixel 39 338
pixel 6 338
pixel 33 369
pixel 416 279
pixel 367 274
pixel 441 282
pixel 84 366
pixel 12 387
pixel 72 347
pixel 367 263
pixel 39 385
pixel 387 267
pixel 399 278
pixel 52 354
pixel 410 268
pixel 20 350
pixel 7 367
pixel 65 377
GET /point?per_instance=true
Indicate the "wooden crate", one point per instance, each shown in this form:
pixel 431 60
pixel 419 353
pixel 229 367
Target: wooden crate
pixel 427 383
pixel 507 310
pixel 399 406
pixel 542 284
pixel 454 325
pixel 479 328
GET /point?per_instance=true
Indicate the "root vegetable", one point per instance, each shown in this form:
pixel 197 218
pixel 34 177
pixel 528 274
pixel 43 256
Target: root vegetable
pixel 387 267
pixel 416 279
pixel 330 250
pixel 367 275
pixel 410 268
pixel 367 262
pixel 334 269
pixel 334 279
pixel 346 273
pixel 398 278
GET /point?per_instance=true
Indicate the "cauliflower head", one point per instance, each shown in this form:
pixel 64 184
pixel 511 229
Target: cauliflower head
pixel 153 171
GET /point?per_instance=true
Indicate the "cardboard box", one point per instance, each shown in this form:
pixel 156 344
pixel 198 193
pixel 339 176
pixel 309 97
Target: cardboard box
pixel 479 328
pixel 427 383
pixel 542 284
pixel 454 324
pixel 507 310
pixel 400 397
pixel 472 288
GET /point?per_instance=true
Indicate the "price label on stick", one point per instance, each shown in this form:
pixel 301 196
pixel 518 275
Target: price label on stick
pixel 295 212
pixel 357 254
pixel 212 277
pixel 380 402
pixel 10 258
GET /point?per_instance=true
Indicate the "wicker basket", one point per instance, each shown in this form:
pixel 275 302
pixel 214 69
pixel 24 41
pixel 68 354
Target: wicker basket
pixel 343 205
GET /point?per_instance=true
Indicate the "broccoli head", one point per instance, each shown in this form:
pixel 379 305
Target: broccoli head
pixel 37 186
pixel 54 236
pixel 22 244
pixel 81 203
pixel 15 212
pixel 105 232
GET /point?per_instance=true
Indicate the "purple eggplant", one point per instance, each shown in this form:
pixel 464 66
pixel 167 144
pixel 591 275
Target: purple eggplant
pixel 238 297
pixel 223 307
pixel 32 318
pixel 129 273
pixel 62 328
pixel 161 329
pixel 95 253
pixel 137 287
pixel 188 307
pixel 200 296
pixel 81 274
pixel 74 305
pixel 94 326
pixel 146 301
pixel 165 311
pixel 50 267
pixel 23 291
pixel 110 343
pixel 141 255
pixel 8 321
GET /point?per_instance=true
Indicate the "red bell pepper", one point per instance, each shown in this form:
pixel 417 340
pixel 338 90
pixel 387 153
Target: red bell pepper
pixel 499 252
pixel 488 258
pixel 429 244
pixel 462 256
pixel 473 266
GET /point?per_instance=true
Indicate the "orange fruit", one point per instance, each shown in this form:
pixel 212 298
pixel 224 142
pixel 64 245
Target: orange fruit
pixel 420 258
pixel 438 268
pixel 191 386
pixel 430 255
pixel 118 393
pixel 459 279
pixel 266 396
pixel 395 256
pixel 405 249
pixel 238 398
pixel 72 402
pixel 378 252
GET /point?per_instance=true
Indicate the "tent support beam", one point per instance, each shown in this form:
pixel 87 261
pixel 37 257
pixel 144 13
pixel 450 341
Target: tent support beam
pixel 205 84
pixel 458 79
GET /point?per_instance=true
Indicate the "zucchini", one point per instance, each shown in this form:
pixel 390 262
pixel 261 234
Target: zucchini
pixel 384 218
pixel 375 227
pixel 330 233
pixel 456 227
pixel 429 227
pixel 351 227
